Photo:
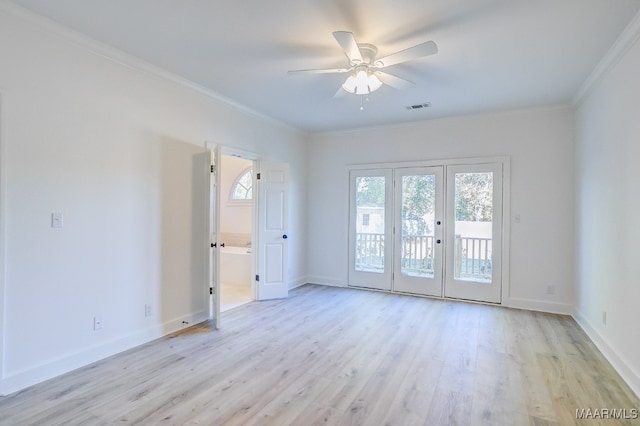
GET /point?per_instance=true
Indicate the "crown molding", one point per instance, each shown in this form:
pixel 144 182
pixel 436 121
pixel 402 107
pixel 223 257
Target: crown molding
pixel 130 61
pixel 618 50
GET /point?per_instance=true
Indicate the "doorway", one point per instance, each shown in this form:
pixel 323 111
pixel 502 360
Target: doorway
pixel 433 230
pixel 236 231
pixel 262 187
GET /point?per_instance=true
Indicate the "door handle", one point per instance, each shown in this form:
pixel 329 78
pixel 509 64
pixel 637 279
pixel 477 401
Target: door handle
pixel 221 244
pixel 284 237
pixel 214 245
pixel 438 241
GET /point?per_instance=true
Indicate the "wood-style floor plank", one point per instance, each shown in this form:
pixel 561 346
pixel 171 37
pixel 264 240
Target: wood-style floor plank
pixel 342 357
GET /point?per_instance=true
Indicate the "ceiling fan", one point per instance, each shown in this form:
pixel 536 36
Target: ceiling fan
pixel 364 69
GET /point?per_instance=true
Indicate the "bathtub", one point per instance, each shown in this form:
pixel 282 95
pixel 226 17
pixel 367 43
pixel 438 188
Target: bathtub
pixel 235 266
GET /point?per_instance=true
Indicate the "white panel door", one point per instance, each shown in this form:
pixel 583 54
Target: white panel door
pixel 213 222
pixel 216 177
pixel 272 205
pixel 419 215
pixel 206 186
pixel 370 228
pixel 474 232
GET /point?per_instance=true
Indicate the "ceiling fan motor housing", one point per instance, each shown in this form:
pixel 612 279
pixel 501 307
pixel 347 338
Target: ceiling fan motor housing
pixel 368 53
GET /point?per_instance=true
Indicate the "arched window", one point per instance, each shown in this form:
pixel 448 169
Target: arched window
pixel 242 187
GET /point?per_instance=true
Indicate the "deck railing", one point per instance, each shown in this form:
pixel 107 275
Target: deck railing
pixel 473 258
pixel 369 252
pixel 417 255
pixel 472 255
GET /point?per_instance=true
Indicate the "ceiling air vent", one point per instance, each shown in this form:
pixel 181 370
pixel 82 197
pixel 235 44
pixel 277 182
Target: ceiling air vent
pixel 419 106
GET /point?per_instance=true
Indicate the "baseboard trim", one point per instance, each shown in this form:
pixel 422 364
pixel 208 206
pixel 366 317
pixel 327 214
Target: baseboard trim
pixel 631 377
pixel 538 305
pixel 295 283
pixel 329 281
pixel 19 380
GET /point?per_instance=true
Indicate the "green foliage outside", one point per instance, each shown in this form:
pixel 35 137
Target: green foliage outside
pixel 473 198
pixel 370 191
pixel 418 195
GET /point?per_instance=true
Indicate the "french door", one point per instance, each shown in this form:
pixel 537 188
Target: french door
pixel 371 228
pixel 433 231
pixel 474 232
pixel 419 230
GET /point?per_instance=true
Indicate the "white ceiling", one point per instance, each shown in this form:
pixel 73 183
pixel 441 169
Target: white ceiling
pixel 493 54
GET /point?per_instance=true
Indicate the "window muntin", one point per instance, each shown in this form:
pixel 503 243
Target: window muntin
pixel 242 188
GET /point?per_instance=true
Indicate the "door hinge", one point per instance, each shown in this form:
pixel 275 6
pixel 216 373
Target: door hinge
pixel 210 290
pixel 258 176
pixel 213 168
pixel 257 277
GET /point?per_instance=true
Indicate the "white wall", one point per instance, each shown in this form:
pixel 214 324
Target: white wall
pixel 608 202
pixel 112 147
pixel 540 145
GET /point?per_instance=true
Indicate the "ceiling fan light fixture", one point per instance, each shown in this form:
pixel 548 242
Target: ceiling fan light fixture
pixel 362 82
pixel 350 84
pixel 374 82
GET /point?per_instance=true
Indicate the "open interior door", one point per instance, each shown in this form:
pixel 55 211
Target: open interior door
pixel 272 281
pixel 213 201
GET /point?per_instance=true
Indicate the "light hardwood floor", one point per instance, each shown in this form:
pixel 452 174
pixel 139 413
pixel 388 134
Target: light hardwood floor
pixel 343 356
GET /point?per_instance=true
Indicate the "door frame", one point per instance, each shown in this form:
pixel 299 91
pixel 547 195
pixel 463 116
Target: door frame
pixel 254 158
pixel 506 203
pixel 215 215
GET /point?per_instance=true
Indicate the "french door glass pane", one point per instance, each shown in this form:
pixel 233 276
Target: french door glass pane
pixel 418 209
pixel 370 224
pixel 473 226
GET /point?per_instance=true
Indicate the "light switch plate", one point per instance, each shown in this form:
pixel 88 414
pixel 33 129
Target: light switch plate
pixel 57 220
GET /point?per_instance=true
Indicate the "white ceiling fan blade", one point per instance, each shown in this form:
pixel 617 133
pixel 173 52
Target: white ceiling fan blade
pixel 348 42
pixel 418 51
pixel 321 71
pixel 340 93
pixel 393 81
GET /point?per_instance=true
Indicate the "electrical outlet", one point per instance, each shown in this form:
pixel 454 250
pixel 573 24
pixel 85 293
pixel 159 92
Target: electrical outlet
pixel 147 310
pixel 97 323
pixel 604 317
pixel 551 289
